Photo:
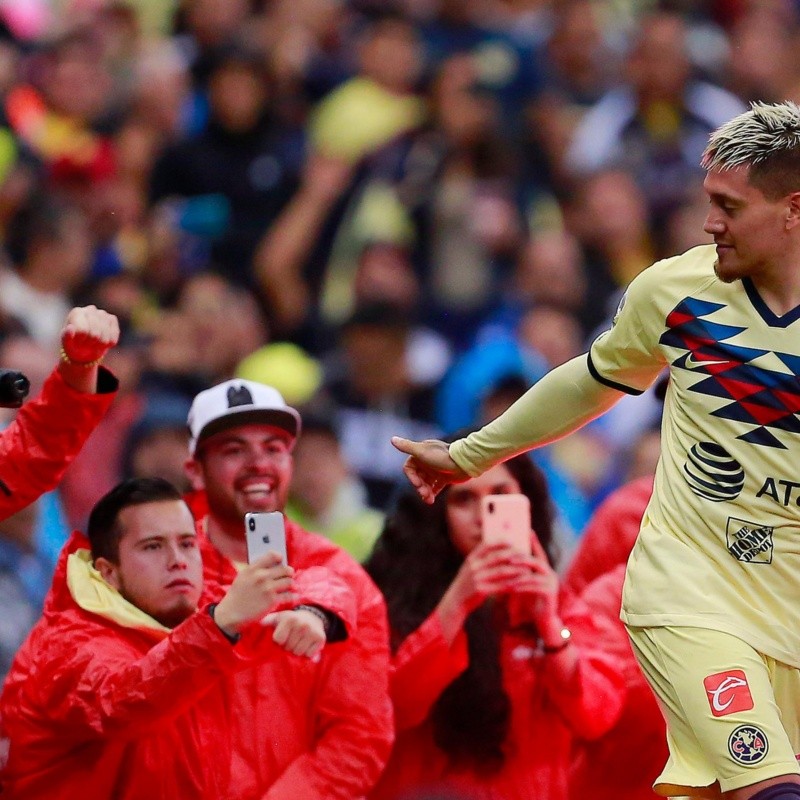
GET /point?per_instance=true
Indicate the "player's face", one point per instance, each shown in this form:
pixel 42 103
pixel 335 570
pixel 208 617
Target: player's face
pixel 749 230
pixel 159 569
pixel 247 468
pixel 463 500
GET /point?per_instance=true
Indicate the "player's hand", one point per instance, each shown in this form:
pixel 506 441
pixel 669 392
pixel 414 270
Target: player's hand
pixel 429 467
pixel 298 631
pixel 88 334
pixel 256 590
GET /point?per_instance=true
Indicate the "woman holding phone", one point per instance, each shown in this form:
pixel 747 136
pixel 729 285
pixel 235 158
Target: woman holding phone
pixel 494 672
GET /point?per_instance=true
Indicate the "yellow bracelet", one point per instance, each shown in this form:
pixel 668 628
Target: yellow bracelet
pixel 65 359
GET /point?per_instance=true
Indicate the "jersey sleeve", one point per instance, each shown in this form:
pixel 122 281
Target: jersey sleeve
pixel 627 356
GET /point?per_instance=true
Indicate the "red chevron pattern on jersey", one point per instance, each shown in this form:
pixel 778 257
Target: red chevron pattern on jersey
pixel 761 399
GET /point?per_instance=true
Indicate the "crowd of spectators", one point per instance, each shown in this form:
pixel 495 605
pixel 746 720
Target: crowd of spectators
pixel 400 213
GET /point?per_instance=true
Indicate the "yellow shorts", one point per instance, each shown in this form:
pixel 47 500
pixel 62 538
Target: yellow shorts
pixel 733 714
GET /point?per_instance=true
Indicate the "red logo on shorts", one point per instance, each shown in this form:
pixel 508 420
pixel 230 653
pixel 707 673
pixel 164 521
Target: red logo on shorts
pixel 728 692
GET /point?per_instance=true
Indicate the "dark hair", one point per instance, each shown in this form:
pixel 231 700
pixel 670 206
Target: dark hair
pixel 378 314
pixel 413 564
pixel 104 530
pixel 321 422
pixel 238 53
pixel 43 219
pixel 378 17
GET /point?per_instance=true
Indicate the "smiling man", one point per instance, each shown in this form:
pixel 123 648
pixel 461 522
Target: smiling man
pixel 325 733
pixel 711 597
pixel 123 689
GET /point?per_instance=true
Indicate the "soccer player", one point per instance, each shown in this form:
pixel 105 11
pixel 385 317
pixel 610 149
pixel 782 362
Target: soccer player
pixel 711 598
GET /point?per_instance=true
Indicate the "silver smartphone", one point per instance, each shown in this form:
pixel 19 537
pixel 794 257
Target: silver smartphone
pixel 265 531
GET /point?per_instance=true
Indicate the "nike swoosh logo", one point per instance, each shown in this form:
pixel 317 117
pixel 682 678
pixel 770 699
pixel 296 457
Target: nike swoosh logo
pixel 691 362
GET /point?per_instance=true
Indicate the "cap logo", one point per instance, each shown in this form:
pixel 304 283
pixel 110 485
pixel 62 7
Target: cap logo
pixel 239 396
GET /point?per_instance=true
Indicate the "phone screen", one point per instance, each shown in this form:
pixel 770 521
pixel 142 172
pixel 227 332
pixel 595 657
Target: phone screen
pixel 265 531
pixel 507 518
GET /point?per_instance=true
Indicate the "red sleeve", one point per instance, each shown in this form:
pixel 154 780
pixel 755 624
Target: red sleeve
pixel 319 586
pixel 354 724
pixel 592 701
pixel 424 666
pixel 609 537
pixel 91 687
pixel 47 433
pixel 604 597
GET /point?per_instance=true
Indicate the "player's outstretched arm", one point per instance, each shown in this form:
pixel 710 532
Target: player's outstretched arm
pixel 561 402
pixel 564 400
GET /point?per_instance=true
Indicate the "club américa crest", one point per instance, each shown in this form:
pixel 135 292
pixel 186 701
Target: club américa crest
pixel 748 745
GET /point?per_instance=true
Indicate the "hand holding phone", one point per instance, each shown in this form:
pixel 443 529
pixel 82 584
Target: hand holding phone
pixel 265 532
pixel 256 590
pixel 507 520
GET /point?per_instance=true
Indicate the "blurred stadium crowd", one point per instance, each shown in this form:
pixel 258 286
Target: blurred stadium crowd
pixel 400 214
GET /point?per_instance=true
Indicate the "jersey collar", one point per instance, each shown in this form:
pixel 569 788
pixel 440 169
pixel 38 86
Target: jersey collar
pixel 765 312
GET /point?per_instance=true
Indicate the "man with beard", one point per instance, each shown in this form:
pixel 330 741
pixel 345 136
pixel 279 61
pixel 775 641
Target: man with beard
pixel 710 598
pixel 328 732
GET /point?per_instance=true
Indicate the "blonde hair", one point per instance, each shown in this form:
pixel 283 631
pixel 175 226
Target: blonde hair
pixel 767 139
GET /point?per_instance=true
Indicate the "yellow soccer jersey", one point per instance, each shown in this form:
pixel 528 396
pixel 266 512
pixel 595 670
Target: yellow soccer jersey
pixel 720 541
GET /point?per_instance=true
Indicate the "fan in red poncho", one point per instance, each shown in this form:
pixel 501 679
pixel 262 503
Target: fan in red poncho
pixel 325 732
pixel 122 690
pixel 497 674
pixel 50 430
pixel 597 573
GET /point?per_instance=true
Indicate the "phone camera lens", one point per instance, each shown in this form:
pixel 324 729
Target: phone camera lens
pixel 252 524
pixel 491 508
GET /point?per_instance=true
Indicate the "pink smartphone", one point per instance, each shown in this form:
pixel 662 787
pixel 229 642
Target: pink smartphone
pixel 507 518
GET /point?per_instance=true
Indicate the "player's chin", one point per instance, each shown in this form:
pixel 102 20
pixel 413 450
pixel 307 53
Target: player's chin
pixel 729 272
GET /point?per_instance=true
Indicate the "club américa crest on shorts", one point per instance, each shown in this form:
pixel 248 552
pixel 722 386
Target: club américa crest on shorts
pixel 748 745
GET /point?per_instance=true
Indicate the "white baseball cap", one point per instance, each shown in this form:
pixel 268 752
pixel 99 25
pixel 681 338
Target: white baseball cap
pixel 239 402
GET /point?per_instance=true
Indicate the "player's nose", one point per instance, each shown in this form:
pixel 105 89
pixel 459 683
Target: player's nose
pixel 713 223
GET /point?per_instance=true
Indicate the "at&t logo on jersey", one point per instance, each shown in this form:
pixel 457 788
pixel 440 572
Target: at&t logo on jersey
pixel 749 541
pixel 728 692
pixel 712 473
pixel 782 491
pixel 748 745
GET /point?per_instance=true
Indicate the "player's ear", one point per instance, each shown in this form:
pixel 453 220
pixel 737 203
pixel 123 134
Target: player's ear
pixel 793 210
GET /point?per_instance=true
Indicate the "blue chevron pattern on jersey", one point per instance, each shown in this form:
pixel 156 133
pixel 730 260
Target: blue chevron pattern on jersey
pixel 760 398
